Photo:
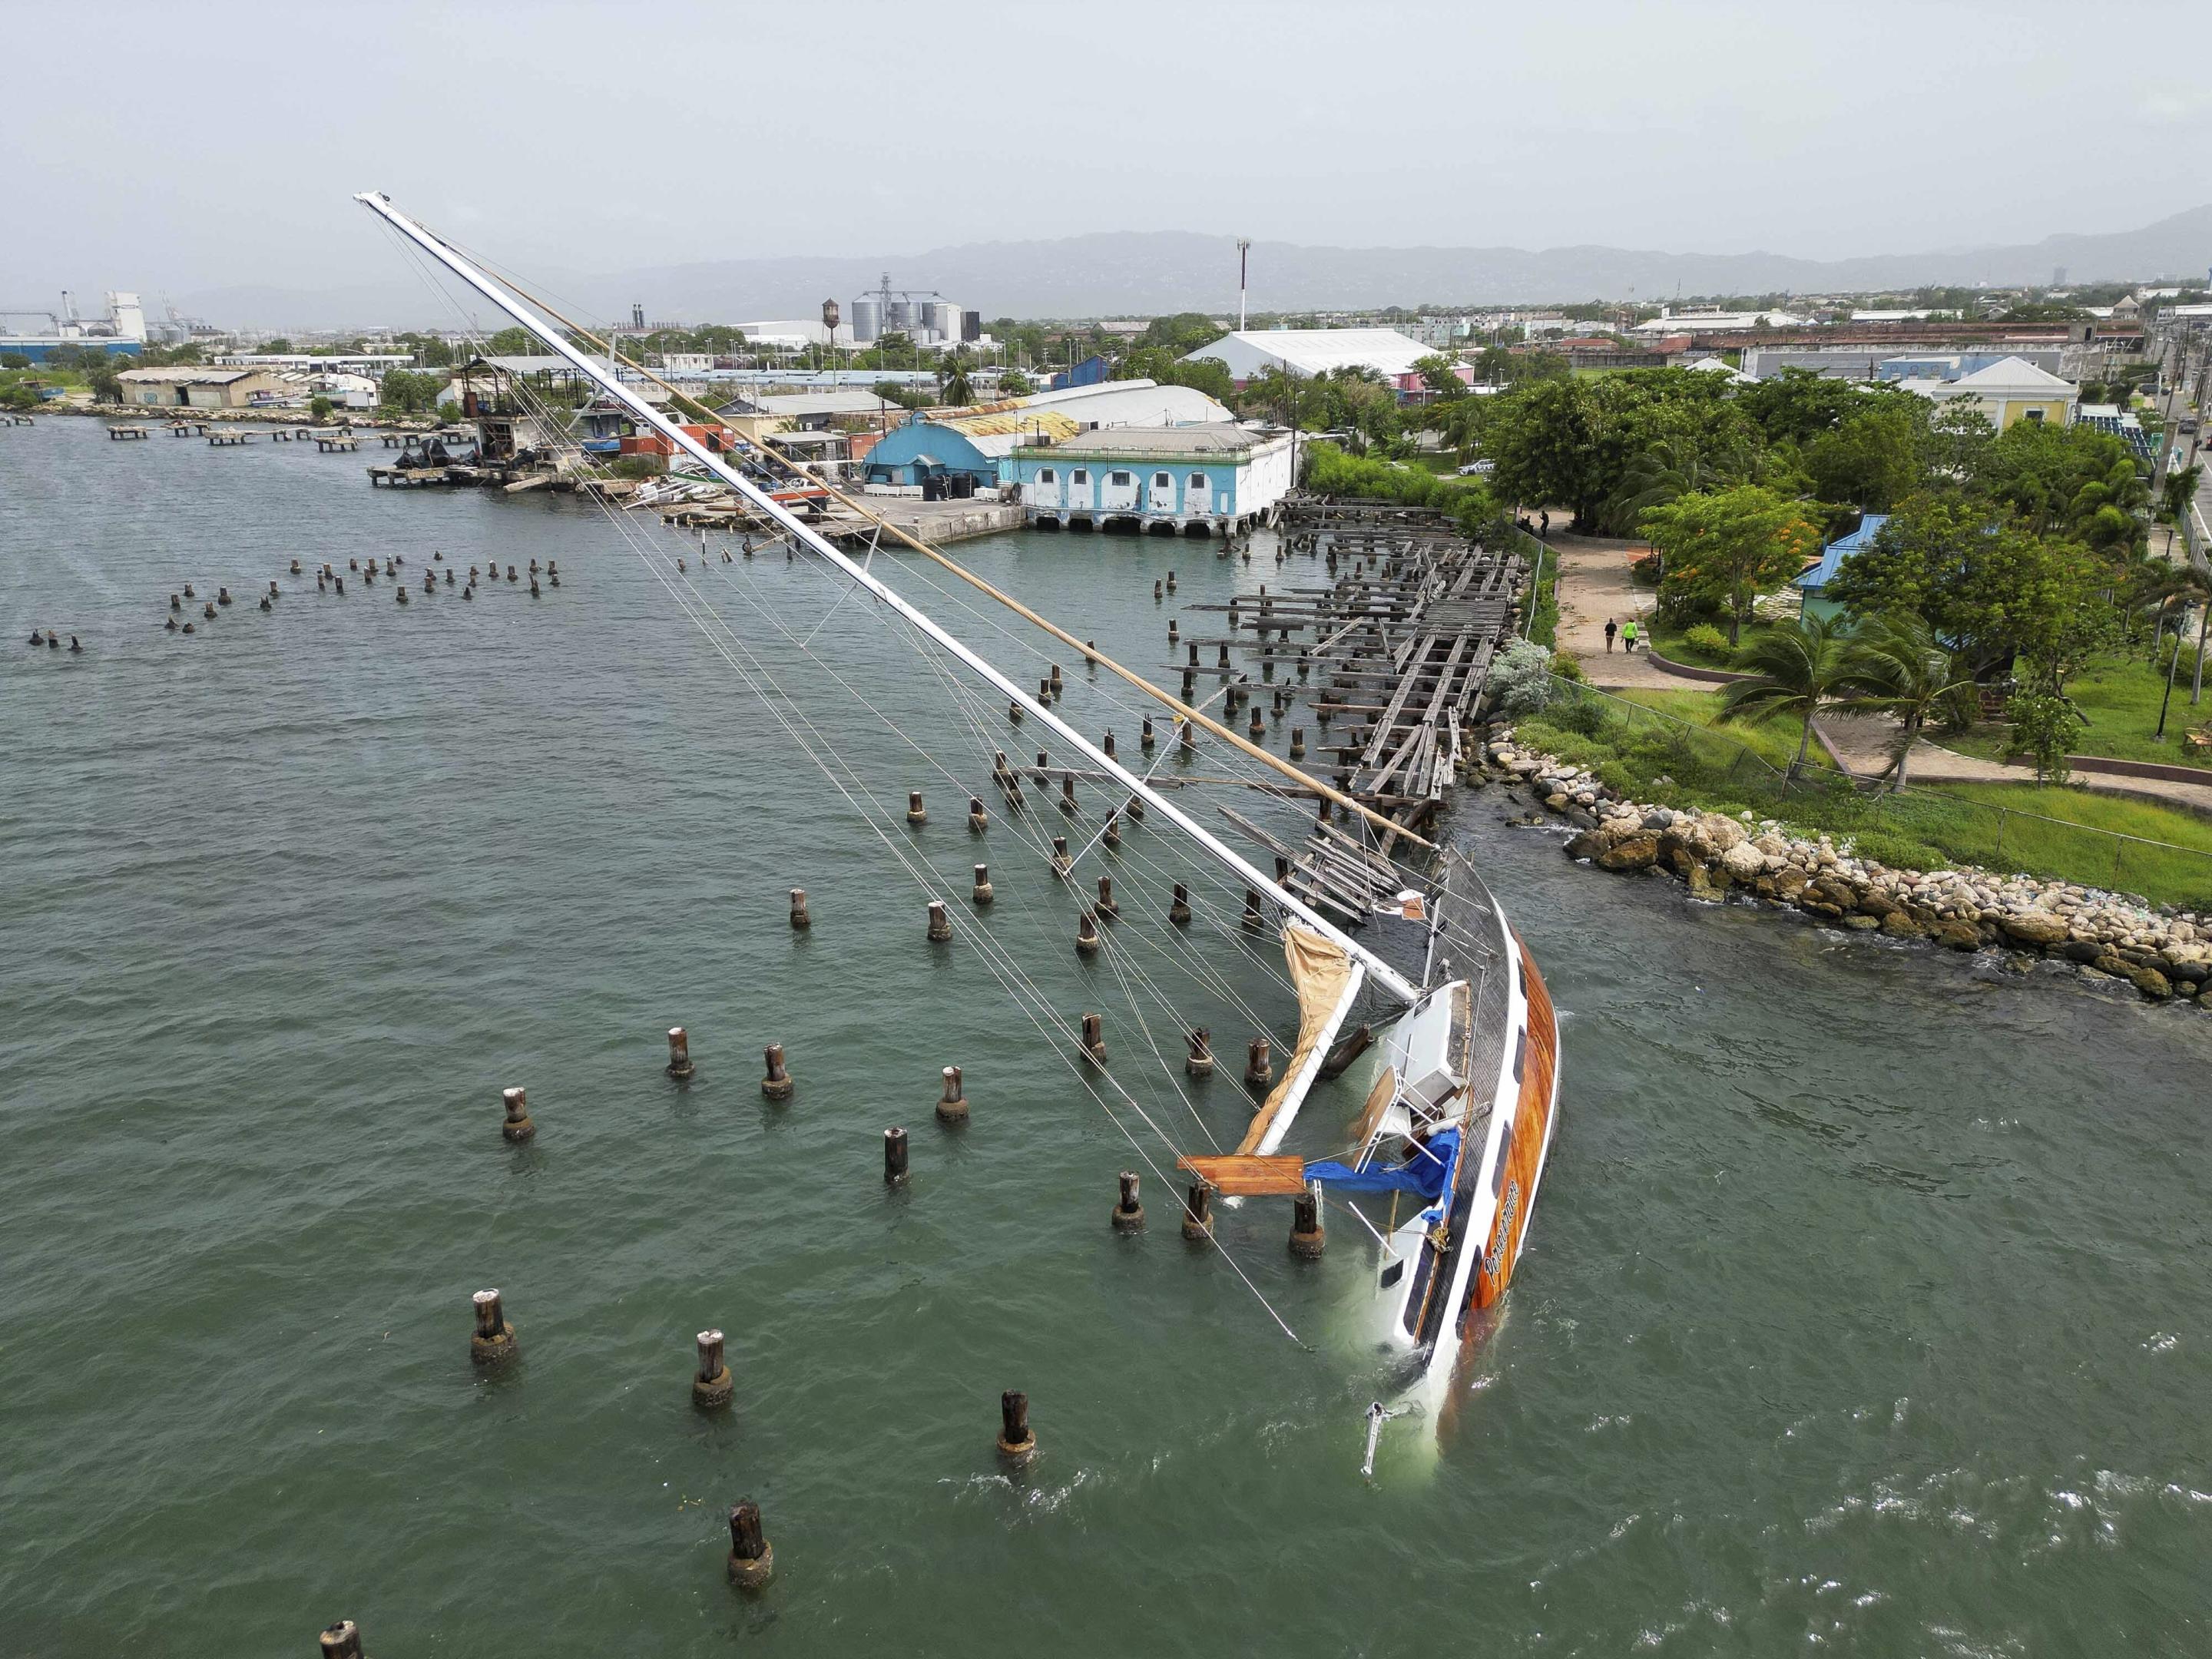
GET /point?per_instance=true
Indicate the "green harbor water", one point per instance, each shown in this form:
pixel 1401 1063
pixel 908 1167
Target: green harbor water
pixel 1866 1308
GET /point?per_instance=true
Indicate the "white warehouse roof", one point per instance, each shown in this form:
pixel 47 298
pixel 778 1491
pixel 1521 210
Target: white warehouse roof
pixel 1247 352
pixel 1130 403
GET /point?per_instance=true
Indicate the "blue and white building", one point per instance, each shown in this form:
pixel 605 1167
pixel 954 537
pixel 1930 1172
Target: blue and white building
pixel 1217 478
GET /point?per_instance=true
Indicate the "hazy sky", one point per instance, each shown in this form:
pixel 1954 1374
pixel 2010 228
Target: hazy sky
pixel 179 147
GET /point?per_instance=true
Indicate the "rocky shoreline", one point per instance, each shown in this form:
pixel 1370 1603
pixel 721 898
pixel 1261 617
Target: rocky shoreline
pixel 2102 939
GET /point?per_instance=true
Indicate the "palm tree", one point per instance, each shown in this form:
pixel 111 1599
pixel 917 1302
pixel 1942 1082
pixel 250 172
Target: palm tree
pixel 1899 668
pixel 1802 668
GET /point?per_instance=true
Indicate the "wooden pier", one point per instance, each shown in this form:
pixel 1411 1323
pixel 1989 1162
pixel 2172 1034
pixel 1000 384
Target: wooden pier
pixel 187 428
pixel 336 443
pixel 118 432
pixel 1401 641
pixel 227 439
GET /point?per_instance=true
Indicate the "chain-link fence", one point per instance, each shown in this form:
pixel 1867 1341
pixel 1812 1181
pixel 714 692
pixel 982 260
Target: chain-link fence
pixel 1651 755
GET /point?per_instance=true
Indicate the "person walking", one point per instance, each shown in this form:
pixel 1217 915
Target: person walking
pixel 1628 636
pixel 1611 629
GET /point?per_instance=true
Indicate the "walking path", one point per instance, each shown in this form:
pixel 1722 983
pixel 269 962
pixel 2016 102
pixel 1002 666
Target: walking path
pixel 1861 742
pixel 1593 584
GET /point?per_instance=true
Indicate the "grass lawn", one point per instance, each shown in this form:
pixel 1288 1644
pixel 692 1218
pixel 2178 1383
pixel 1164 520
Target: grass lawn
pixel 2119 697
pixel 2039 829
pixel 1671 640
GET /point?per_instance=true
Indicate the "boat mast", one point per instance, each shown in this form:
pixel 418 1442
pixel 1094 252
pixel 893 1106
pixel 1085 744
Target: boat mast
pixel 646 415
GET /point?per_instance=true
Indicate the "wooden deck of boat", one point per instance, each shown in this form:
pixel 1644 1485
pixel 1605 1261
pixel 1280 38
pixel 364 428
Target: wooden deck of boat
pixel 1247 1176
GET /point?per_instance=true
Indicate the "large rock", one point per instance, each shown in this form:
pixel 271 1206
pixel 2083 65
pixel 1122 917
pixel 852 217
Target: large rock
pixel 1744 862
pixel 2035 927
pixel 1898 924
pixel 1637 851
pixel 1959 936
pixel 1722 832
pixel 2149 980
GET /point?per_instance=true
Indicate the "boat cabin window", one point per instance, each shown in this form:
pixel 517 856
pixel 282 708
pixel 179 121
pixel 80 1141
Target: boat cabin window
pixel 1044 475
pixel 1120 480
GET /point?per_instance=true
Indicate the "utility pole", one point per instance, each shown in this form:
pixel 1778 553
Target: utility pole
pixel 1244 250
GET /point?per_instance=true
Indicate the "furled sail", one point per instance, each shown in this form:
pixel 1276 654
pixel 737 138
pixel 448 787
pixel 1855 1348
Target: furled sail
pixel 1327 980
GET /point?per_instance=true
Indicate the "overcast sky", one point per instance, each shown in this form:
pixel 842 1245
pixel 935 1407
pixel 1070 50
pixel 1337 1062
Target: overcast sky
pixel 173 148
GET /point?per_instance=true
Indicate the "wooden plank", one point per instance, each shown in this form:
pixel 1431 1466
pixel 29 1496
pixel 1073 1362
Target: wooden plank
pixel 1247 1176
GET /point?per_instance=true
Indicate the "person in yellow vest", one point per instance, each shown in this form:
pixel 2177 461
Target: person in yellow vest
pixel 1628 636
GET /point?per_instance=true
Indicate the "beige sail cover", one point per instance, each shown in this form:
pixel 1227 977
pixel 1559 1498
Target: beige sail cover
pixel 1320 974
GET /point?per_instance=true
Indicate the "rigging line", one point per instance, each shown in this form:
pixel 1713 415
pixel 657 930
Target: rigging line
pixel 963 704
pixel 1014 604
pixel 961 697
pixel 1030 1010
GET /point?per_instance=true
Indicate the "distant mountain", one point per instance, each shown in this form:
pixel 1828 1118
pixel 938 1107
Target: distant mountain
pixel 1145 273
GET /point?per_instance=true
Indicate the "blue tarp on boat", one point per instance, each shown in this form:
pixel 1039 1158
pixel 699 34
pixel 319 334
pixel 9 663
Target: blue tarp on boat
pixel 1425 1174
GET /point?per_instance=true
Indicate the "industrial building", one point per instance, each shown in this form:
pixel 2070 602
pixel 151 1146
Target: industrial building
pixel 967 449
pixel 1211 479
pixel 1890 362
pixel 201 388
pixel 121 332
pixel 1310 351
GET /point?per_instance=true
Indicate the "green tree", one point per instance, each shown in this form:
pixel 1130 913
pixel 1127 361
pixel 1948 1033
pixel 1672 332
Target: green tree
pixel 1872 459
pixel 958 389
pixel 1013 383
pixel 1543 438
pixel 1900 669
pixel 278 346
pixel 1181 334
pixel 1801 667
pixel 408 392
pixel 1155 363
pixel 1720 548
pixel 19 398
pixel 101 377
pixel 1995 592
pixel 13 360
pixel 319 409
pixel 2180 485
pixel 514 343
pixel 1440 374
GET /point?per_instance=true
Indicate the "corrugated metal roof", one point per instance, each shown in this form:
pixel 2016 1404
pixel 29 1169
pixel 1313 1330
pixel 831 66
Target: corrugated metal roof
pixel 1011 423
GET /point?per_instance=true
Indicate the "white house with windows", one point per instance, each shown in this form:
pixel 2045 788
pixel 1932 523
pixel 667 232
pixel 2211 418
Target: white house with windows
pixel 1217 478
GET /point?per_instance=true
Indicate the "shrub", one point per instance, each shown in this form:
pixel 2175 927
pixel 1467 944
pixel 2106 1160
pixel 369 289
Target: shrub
pixel 1898 852
pixel 1704 637
pixel 1566 667
pixel 2045 728
pixel 1583 714
pixel 1522 678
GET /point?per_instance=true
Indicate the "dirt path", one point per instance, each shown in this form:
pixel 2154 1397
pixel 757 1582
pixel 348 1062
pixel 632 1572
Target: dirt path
pixel 1861 742
pixel 1592 585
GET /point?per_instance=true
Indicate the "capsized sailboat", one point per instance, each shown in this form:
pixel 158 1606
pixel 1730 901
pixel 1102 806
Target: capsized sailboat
pixel 1463 1115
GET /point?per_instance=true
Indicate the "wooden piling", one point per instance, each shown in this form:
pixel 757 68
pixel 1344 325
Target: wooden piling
pixel 752 1558
pixel 1200 1062
pixel 1087 934
pixel 1197 1213
pixel 916 813
pixel 800 920
pixel 1179 907
pixel 940 922
pixel 894 1156
pixel 1259 1064
pixel 712 1387
pixel 1128 1215
pixel 982 894
pixel 1298 743
pixel 341 1640
pixel 978 819
pixel 777 1084
pixel 493 1343
pixel 679 1052
pixel 1307 1239
pixel 518 1127
pixel 1144 738
pixel 1252 920
pixel 1062 865
pixel 1017 1440
pixel 1094 1039
pixel 1111 834
pixel 953 1104
pixel 1068 793
pixel 1107 907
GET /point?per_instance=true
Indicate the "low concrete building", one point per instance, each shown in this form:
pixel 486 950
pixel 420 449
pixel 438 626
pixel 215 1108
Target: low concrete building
pixel 974 444
pixel 1216 478
pixel 194 387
